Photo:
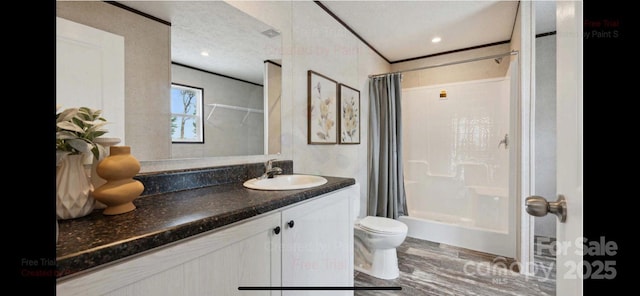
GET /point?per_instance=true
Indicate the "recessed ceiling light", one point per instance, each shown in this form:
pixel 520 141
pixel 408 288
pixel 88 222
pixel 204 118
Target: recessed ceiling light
pixel 204 54
pixel 436 39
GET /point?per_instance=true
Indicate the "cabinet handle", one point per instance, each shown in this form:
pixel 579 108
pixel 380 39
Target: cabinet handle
pixel 277 230
pixel 290 223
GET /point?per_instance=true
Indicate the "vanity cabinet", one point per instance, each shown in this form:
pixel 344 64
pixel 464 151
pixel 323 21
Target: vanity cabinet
pixel 309 243
pixel 317 245
pixel 211 264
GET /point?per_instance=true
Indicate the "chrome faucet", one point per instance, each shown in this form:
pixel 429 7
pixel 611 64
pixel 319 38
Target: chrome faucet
pixel 269 170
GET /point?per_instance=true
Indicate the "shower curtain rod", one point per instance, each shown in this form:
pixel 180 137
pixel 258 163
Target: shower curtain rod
pixel 513 52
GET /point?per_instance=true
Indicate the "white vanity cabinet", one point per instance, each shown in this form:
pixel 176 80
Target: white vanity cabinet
pixel 317 244
pixel 316 249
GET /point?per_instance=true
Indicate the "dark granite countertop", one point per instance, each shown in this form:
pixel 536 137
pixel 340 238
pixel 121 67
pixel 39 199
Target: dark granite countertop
pixel 160 219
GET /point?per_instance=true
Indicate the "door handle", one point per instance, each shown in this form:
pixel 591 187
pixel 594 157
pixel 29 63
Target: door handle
pixel 538 206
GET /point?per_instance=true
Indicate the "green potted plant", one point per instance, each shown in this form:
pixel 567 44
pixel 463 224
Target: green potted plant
pixel 77 130
pixel 76 133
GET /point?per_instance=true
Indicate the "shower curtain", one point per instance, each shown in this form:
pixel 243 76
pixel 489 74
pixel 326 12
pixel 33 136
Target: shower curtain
pixel 386 195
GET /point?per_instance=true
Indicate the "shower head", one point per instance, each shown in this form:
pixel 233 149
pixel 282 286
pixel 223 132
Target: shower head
pixel 498 60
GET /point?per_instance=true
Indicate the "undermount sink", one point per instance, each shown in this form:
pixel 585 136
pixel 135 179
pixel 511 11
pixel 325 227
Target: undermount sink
pixel 285 182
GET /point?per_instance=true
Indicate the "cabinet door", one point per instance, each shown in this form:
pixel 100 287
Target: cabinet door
pixel 317 248
pixel 247 254
pixel 251 262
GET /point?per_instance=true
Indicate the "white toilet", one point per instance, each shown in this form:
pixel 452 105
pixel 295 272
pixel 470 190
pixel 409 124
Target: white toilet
pixel 376 240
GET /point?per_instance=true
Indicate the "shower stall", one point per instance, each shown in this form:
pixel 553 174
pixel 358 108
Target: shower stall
pixel 458 160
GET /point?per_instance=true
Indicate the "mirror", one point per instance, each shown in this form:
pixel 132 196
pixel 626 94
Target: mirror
pixel 233 61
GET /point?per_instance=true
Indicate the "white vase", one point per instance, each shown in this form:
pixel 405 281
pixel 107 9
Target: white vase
pixel 73 188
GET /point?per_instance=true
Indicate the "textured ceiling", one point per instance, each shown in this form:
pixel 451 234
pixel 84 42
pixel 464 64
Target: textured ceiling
pixel 398 30
pixel 233 39
pixel 403 29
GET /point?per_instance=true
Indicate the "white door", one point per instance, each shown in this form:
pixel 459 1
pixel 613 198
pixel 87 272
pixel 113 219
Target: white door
pixel 90 72
pixel 569 237
pixel 569 144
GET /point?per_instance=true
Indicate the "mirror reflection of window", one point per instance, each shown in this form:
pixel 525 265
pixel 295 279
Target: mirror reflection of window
pixel 186 114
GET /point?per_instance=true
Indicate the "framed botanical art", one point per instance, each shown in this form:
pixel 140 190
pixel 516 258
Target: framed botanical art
pixel 349 115
pixel 322 109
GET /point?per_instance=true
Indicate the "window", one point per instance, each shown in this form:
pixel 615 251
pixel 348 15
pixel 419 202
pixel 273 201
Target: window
pixel 186 114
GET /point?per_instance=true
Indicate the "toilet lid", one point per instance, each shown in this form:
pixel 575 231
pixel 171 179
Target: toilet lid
pixel 382 225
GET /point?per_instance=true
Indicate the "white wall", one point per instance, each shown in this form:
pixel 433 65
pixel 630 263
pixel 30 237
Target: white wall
pixel 225 133
pixel 545 129
pixel 313 40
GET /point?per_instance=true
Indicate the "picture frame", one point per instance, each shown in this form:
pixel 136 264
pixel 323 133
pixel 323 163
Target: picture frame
pixel 322 109
pixel 349 115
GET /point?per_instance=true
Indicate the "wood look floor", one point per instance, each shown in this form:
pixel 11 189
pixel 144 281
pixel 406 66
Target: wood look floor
pixel 428 268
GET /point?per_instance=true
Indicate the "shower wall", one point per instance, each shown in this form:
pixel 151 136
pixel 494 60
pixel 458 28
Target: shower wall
pixel 456 172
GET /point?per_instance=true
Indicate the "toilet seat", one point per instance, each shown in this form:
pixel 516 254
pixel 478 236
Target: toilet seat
pixel 382 225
